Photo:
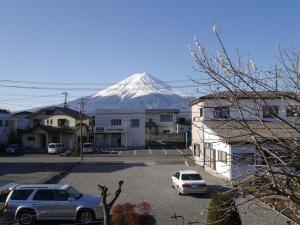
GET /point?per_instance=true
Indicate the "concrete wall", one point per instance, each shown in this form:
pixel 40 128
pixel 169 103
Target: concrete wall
pixel 131 136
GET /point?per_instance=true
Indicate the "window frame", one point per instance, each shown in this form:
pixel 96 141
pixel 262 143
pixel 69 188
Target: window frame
pixel 266 110
pixel 40 190
pixel 222 112
pixel 135 125
pixel 162 118
pixel 116 122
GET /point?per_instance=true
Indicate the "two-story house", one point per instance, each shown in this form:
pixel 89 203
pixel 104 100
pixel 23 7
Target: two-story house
pixel 5 130
pixel 224 131
pixel 119 128
pixel 55 125
pixel 161 121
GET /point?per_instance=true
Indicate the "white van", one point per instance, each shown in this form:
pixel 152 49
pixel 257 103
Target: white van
pixel 88 148
pixel 55 148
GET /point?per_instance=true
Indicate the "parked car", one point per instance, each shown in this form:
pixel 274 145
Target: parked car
pixel 14 149
pixel 88 148
pixel 188 182
pixel 55 148
pixel 28 203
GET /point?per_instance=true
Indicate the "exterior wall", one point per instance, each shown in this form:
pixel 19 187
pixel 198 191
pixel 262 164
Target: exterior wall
pixel 252 106
pixel 171 126
pixel 54 118
pixel 5 130
pixel 130 136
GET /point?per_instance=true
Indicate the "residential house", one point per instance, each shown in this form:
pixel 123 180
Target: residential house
pixel 161 121
pixel 220 141
pixel 55 124
pixel 19 122
pixel 119 128
pixel 5 130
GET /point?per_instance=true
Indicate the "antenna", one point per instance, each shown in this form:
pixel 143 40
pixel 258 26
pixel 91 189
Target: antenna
pixel 66 99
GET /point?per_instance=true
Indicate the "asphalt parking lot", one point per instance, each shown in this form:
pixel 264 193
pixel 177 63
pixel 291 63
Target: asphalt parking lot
pixel 148 182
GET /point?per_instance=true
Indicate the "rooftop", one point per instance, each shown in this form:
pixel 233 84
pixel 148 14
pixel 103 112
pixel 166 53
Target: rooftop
pixel 248 95
pixel 61 111
pixel 35 186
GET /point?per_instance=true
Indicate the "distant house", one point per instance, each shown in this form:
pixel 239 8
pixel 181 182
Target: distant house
pixel 55 124
pixel 161 121
pixel 220 142
pixel 119 128
pixel 5 129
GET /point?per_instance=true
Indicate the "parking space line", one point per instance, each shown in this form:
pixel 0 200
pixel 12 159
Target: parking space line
pixel 178 150
pixel 150 152
pixel 120 152
pixel 164 150
pixel 135 152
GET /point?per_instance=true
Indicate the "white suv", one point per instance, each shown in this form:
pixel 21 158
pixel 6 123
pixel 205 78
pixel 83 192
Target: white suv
pixel 55 148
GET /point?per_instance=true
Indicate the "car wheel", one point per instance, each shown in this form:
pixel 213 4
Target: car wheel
pixel 26 217
pixel 86 216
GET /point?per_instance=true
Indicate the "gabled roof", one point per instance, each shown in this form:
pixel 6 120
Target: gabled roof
pixel 23 113
pixel 232 131
pixel 248 95
pixel 61 111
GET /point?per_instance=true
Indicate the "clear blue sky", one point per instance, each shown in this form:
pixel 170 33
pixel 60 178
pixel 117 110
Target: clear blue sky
pixel 106 41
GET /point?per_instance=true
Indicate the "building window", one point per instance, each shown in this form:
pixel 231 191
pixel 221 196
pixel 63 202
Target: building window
pixel 135 123
pixel 197 150
pixel 37 122
pixel 116 122
pixel 270 111
pixel 1 123
pixel 243 158
pixel 47 122
pixel 166 131
pixel 150 120
pixel 6 123
pixel 63 122
pixel 293 111
pixel 196 119
pixel 222 156
pixel 221 112
pixel 51 121
pixel 201 112
pixel 31 138
pixel 166 118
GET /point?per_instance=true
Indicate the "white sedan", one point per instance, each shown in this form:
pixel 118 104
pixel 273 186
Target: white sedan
pixel 188 182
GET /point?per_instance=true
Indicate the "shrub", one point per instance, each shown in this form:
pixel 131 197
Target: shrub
pixel 222 211
pixel 131 214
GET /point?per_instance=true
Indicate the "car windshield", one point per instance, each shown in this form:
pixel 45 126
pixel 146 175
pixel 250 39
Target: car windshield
pixel 87 145
pixel 191 177
pixel 73 192
pixel 52 146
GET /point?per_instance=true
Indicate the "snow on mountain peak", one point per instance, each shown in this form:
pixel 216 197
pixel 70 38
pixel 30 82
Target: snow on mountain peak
pixel 138 84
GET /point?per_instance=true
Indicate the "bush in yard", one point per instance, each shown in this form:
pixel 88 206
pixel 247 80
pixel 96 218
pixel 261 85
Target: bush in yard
pixel 131 214
pixel 222 211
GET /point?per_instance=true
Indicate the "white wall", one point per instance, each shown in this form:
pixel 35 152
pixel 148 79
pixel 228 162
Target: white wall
pixel 132 136
pixel 171 126
pixel 252 109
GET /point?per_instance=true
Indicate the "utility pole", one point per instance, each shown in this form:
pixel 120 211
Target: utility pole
pixel 66 98
pixel 80 114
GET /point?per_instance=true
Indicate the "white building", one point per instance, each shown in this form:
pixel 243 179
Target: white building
pixel 161 121
pixel 5 130
pixel 119 128
pixel 220 142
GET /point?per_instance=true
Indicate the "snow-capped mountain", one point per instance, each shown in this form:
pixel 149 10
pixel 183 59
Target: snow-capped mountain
pixel 139 91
